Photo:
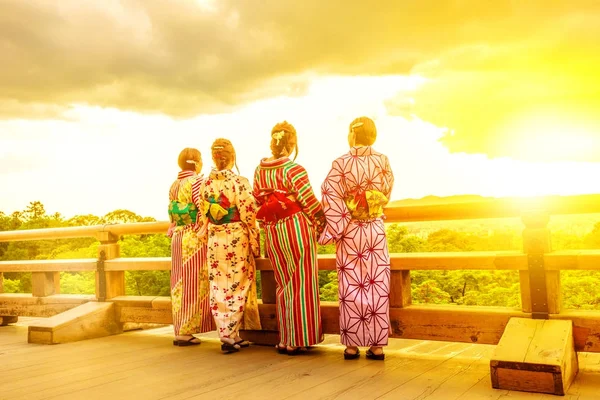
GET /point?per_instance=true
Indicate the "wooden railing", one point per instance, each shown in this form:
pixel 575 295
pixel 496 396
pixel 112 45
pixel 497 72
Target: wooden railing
pixel 539 271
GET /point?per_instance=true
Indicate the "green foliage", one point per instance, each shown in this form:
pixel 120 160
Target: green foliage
pixel 78 282
pixel 480 288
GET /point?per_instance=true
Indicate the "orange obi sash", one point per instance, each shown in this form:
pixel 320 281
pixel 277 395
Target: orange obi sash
pixel 366 205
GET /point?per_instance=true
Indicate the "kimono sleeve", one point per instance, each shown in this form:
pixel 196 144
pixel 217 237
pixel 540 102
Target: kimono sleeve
pixel 306 197
pixel 334 206
pixel 246 206
pixel 388 177
pixel 201 225
pixel 256 187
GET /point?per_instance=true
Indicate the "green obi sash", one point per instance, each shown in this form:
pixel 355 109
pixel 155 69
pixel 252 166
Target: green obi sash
pixel 366 205
pixel 182 213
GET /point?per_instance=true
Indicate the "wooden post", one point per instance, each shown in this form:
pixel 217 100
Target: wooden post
pixel 268 287
pixel 540 289
pixel 109 284
pixel 45 283
pixel 1 282
pixel 400 295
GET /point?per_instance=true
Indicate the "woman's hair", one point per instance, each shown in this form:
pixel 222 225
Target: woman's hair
pixel 364 130
pixel 223 153
pixel 188 158
pixel 284 140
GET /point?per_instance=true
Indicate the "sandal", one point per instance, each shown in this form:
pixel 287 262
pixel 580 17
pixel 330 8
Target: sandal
pixel 292 351
pixel 281 349
pixel 229 348
pixel 242 343
pixel 352 356
pixel 373 356
pixel 188 342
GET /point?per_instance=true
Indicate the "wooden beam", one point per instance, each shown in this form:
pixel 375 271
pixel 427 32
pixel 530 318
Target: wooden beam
pixel 470 324
pixel 543 291
pixel 85 264
pixel 87 321
pixel 535 356
pixel 45 283
pixel 268 287
pixel 471 260
pixel 138 264
pixel 400 289
pixel 572 260
pixel 8 319
pixel 26 305
pixel 109 284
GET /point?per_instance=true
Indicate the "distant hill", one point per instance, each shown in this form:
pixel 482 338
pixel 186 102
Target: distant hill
pixel 432 200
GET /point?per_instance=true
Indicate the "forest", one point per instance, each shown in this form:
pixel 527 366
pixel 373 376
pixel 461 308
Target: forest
pixel 464 287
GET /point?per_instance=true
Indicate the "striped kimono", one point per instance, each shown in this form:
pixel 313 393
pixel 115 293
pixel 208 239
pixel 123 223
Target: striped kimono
pixel 292 217
pixel 230 219
pixel 189 278
pixel 354 194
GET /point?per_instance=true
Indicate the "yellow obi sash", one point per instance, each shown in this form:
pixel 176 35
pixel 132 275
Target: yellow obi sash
pixel 366 205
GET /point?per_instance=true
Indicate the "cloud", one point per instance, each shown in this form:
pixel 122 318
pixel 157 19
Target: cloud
pixel 201 57
pixel 535 99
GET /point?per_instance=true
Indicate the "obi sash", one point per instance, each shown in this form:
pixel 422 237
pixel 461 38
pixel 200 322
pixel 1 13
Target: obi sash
pixel 182 214
pixel 277 205
pixel 219 210
pixel 366 204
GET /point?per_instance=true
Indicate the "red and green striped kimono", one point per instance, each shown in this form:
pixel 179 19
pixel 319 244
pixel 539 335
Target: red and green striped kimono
pixel 189 274
pixel 292 218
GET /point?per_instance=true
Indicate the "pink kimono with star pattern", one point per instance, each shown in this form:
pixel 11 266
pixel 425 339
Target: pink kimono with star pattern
pixel 362 258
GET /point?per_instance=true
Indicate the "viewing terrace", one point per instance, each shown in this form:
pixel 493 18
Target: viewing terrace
pixel 439 352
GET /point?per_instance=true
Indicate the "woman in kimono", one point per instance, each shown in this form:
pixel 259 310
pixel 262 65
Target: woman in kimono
pixel 354 194
pixel 229 217
pixel 189 278
pixel 292 218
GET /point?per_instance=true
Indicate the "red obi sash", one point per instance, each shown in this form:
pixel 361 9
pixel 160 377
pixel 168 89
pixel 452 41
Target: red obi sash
pixel 276 206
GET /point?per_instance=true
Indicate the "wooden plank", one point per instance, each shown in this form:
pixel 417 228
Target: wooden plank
pixel 135 228
pixel 132 365
pixel 516 339
pixel 447 380
pixel 145 314
pixel 87 321
pixel 573 260
pixel 399 261
pixel 586 328
pixel 85 264
pixel 137 301
pixel 535 356
pixel 451 323
pixel 472 260
pixel 139 264
pixel 8 319
pixel 25 305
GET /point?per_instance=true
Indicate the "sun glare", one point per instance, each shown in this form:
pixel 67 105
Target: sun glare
pixel 551 138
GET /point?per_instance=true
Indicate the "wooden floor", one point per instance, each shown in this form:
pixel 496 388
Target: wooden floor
pixel 145 365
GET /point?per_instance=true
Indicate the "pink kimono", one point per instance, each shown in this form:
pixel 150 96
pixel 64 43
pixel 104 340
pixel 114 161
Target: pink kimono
pixel 354 194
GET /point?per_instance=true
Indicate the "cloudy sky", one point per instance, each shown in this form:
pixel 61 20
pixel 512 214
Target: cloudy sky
pixel 493 98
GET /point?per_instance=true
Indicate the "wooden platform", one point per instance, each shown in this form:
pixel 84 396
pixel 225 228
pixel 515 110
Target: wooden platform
pixel 145 365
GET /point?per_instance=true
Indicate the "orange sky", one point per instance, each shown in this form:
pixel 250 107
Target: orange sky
pixel 495 98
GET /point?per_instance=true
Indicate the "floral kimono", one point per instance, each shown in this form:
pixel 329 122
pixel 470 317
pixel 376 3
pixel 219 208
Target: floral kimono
pixel 229 217
pixel 354 194
pixel 292 217
pixel 189 278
